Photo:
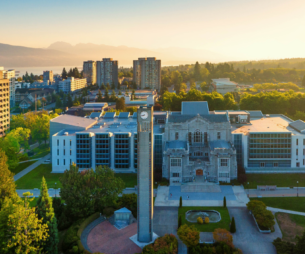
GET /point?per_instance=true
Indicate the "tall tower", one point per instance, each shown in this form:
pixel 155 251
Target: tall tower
pixel 145 174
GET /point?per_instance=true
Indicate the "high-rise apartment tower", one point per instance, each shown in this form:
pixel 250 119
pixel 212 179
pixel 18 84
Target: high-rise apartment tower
pixel 145 174
pixel 107 72
pixel 4 104
pixel 147 73
pixel 89 72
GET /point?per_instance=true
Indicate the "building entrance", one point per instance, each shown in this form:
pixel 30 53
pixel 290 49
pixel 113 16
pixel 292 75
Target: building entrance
pixel 199 172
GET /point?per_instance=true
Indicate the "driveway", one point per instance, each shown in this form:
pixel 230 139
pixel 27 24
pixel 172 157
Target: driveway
pixel 248 238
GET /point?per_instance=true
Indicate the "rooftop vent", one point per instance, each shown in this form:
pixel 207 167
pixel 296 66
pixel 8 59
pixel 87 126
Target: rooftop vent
pixel 66 133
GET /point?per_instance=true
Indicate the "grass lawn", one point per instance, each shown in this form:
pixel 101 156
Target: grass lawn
pixel 291 225
pixel 280 180
pixel 41 151
pixel 224 223
pixel 33 179
pixel 21 167
pixel 130 179
pixel 288 203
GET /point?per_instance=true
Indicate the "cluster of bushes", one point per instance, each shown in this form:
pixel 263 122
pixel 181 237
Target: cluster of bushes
pixel 165 244
pixel 216 248
pixel 283 247
pixel 264 217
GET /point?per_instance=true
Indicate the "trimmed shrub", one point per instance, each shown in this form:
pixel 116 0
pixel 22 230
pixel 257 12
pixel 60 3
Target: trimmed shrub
pixel 75 249
pixel 180 202
pixel 86 222
pixel 224 202
pixel 233 226
pixel 108 211
pixel 179 222
pixel 199 220
pixel 206 220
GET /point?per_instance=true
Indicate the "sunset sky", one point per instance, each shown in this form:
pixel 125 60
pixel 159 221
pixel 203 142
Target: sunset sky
pixel 245 29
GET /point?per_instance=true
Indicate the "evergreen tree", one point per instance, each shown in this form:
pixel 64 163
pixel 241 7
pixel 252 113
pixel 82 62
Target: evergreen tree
pixel 7 184
pixel 119 86
pixel 120 93
pixel 45 212
pixel 64 73
pixel 224 202
pixel 70 101
pixel 106 95
pixel 103 86
pixel 233 226
pixel 180 202
pixel 197 75
pixel 108 86
pixel 179 221
pixel 120 104
pixel 303 81
pixel 112 86
pixel 99 96
pixel 70 73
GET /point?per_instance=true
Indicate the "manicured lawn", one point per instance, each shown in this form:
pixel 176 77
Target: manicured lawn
pixel 288 203
pixel 33 179
pixel 21 167
pixel 130 179
pixel 41 151
pixel 224 223
pixel 280 180
pixel 291 225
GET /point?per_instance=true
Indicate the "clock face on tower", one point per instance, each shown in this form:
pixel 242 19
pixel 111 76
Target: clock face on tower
pixel 144 115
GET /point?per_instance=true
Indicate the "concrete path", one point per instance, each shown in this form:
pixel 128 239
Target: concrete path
pixel 276 210
pixel 31 167
pixel 248 238
pixel 282 192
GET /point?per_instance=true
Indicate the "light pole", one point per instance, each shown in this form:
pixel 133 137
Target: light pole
pixel 298 189
pixel 55 190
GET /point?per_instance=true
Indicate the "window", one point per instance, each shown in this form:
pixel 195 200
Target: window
pixel 175 174
pixel 297 151
pixel 57 142
pixel 70 142
pixel 303 161
pixel 205 137
pixel 57 162
pixel 70 162
pixel 218 135
pixel 190 138
pixel 57 151
pixel 303 142
pixel 206 154
pixel 70 152
pixel 275 164
pixel 176 162
pixel 223 162
pixel 303 151
pixel 223 174
pixel 64 142
pixel 64 162
pixel 176 135
pixel 262 164
pixel 198 153
pixel 64 152
pixel 198 137
pixel 298 164
pixel 297 142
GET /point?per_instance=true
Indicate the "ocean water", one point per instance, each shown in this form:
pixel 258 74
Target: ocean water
pixel 39 70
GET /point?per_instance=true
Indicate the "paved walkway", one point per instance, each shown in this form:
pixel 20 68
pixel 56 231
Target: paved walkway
pixel 281 192
pixel 31 167
pixel 29 160
pixel 276 210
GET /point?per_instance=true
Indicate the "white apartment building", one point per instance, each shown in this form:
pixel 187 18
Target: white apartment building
pixel 11 76
pixel 72 84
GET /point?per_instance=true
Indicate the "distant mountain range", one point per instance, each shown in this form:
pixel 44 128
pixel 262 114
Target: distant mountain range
pixel 65 54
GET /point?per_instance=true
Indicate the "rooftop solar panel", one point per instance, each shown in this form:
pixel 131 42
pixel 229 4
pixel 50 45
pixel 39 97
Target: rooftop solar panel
pixel 124 115
pixel 109 115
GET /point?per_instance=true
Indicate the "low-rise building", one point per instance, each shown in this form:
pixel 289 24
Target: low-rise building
pixel 224 85
pixel 71 85
pixel 25 97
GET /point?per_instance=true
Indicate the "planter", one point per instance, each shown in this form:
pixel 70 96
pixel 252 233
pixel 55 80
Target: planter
pixel 260 230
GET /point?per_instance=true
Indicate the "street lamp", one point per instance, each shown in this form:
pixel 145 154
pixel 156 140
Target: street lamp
pixel 55 190
pixel 298 189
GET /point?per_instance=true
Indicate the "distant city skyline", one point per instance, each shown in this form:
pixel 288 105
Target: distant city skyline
pixel 242 29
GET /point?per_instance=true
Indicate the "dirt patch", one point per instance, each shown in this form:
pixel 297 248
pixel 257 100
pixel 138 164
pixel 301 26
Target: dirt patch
pixel 289 228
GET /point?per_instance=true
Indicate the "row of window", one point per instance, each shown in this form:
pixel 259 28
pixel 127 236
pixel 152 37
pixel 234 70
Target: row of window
pixel 221 174
pixel 63 162
pixel 270 146
pixel 224 162
pixel 64 152
pixel 64 142
pixel 265 135
pixel 176 162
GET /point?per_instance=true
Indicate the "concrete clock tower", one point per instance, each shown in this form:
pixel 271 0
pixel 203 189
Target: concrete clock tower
pixel 145 174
